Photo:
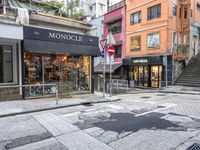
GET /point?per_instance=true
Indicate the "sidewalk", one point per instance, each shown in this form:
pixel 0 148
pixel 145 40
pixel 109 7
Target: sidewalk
pixel 10 108
pixel 180 90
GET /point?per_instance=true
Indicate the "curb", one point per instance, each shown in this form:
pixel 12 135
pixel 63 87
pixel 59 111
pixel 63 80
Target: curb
pixel 189 93
pixel 57 107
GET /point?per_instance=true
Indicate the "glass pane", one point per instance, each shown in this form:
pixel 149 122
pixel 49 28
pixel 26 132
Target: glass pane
pixel 146 76
pixel 6 64
pixel 141 76
pixel 136 75
pixel 154 76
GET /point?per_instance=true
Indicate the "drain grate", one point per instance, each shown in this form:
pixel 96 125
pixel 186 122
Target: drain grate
pixel 87 104
pixel 161 95
pixel 195 146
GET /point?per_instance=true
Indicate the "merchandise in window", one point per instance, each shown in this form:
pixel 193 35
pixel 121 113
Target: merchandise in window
pixel 136 17
pixel 136 43
pixel 154 12
pixel 153 40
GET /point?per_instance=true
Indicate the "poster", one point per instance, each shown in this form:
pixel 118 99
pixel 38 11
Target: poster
pixel 153 40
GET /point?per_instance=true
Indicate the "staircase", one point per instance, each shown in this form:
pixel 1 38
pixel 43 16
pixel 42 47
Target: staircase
pixel 191 74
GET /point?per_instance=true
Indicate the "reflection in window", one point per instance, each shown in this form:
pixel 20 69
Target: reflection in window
pixel 6 64
pixel 115 27
pixel 71 73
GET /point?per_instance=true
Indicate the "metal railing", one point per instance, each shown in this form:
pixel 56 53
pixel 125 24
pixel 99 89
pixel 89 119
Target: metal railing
pixel 36 89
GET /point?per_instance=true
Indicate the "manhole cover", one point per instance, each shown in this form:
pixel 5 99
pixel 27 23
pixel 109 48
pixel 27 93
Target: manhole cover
pixel 195 146
pixel 146 97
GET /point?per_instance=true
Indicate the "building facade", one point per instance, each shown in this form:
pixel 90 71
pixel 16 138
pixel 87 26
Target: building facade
pixel 114 23
pixel 160 38
pixel 45 52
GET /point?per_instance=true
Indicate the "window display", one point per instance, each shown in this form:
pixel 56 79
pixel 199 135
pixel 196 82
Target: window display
pixel 70 73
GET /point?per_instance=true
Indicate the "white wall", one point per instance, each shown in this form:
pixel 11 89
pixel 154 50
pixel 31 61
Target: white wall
pixel 11 31
pixel 97 30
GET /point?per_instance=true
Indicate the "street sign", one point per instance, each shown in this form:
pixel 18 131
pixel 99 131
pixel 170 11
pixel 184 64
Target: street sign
pixel 102 54
pixel 111 39
pixel 111 50
pixel 103 43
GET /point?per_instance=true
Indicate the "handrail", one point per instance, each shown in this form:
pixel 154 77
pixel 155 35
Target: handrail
pixel 33 85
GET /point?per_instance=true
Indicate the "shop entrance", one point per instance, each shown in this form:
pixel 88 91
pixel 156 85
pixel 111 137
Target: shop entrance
pixel 156 76
pixel 70 73
pixel 141 75
pixel 147 76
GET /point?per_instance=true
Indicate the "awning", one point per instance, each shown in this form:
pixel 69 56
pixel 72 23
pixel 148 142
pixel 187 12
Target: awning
pixel 99 68
pixel 60 47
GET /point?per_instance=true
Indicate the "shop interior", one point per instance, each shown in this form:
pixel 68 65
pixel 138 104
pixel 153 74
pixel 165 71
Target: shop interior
pixel 147 76
pixel 70 73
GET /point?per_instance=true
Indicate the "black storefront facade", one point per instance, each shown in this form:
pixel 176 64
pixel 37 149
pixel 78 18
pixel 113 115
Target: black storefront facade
pixel 55 57
pixel 150 71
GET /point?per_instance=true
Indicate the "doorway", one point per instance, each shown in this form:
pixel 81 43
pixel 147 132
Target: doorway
pixel 156 76
pixel 141 75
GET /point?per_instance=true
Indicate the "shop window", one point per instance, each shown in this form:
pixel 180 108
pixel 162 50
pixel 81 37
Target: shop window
pixel 136 17
pixel 118 51
pixel 136 43
pixel 153 40
pixel 6 64
pixel 154 12
pixel 70 73
pixel 115 27
pixel 174 10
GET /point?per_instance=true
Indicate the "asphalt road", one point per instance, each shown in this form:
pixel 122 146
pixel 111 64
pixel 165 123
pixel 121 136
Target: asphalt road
pixel 151 121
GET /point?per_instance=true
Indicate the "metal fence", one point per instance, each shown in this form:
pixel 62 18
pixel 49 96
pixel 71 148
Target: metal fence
pixel 34 90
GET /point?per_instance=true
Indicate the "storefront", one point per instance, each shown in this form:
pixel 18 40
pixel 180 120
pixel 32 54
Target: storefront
pixel 10 60
pixel 62 58
pixel 150 71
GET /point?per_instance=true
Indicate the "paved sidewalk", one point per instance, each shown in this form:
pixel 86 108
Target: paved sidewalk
pixel 180 90
pixel 10 108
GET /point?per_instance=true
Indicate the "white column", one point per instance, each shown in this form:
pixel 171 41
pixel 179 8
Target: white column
pixel 97 9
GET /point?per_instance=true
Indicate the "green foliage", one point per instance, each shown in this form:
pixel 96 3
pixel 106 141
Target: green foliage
pixel 71 11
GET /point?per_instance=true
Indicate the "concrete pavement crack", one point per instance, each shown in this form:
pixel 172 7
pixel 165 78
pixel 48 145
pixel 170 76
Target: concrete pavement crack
pixel 186 140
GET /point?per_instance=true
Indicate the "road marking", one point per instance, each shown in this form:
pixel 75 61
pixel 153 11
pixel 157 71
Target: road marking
pixel 79 140
pixel 168 105
pixel 54 124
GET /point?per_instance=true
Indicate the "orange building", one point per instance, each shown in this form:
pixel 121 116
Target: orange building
pixel 161 37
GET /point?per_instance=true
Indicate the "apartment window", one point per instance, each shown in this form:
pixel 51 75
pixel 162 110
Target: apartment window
pixel 118 51
pixel 185 13
pixel 174 10
pixel 1 7
pixel 198 6
pixel 153 40
pixel 136 17
pixel 180 13
pixel 135 43
pixel 115 27
pixel 154 12
pixel 6 64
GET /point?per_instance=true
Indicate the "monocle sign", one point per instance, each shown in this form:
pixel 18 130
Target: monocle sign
pixel 68 37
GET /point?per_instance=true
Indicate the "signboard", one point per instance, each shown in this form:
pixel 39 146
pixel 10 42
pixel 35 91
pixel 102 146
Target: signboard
pixel 153 40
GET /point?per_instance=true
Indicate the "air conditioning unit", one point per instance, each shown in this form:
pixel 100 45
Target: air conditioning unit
pixel 2 9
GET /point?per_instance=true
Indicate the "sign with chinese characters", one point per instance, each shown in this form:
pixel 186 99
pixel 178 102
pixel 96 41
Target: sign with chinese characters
pixel 153 40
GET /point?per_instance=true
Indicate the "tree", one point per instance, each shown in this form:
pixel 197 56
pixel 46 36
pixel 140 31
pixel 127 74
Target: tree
pixel 71 11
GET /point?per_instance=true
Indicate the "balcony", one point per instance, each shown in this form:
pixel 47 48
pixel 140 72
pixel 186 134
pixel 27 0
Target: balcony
pixel 116 6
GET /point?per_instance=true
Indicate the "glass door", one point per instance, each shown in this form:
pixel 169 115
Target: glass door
pixel 156 76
